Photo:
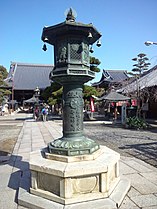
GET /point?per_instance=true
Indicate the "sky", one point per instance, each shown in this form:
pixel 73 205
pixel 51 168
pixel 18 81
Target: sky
pixel 124 24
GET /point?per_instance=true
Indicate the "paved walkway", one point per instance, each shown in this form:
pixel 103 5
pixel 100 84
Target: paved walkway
pixel 35 135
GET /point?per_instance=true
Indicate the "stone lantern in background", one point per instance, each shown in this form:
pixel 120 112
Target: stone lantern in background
pixel 72 43
pixel 37 94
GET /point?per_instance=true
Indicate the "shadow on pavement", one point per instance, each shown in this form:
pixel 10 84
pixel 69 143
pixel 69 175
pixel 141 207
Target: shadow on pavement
pixel 22 119
pixel 20 171
pixel 145 151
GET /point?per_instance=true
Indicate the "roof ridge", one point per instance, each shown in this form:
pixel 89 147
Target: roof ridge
pixel 117 70
pixel 31 64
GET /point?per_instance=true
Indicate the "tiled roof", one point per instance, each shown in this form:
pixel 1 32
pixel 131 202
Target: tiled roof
pixel 24 76
pixel 149 79
pixel 112 76
pixel 114 96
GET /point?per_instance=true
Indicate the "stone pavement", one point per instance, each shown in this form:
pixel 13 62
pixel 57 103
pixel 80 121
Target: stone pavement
pixel 35 135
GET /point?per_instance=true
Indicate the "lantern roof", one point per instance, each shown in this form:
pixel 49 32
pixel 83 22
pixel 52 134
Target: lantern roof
pixel 69 27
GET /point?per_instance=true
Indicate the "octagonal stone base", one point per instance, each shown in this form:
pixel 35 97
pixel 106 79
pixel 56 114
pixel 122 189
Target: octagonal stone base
pixel 75 180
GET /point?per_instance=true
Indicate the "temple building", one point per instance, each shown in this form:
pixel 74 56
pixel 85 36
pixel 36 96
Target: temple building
pixel 111 78
pixel 24 78
pixel 119 80
pixel 147 84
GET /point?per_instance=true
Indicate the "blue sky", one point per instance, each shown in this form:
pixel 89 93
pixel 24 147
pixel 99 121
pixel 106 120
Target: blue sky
pixel 125 26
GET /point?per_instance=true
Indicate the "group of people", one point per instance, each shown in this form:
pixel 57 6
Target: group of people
pixel 40 113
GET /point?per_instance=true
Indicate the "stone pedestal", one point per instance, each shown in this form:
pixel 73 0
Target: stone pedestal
pixel 69 180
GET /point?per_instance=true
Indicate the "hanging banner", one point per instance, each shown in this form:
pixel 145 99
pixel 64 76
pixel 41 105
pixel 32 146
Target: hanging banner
pixel 120 103
pixel 134 102
pixel 92 105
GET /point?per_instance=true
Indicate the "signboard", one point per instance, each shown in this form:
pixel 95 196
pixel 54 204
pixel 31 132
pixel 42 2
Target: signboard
pixel 123 115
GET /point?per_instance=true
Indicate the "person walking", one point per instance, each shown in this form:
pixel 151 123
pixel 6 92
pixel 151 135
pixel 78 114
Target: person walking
pixel 44 113
pixel 36 113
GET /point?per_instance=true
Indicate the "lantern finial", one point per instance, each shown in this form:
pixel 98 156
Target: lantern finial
pixel 71 15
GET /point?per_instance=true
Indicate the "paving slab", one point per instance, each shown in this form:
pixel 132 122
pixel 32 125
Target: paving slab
pixel 145 200
pixel 128 204
pixel 141 184
pixel 24 150
pixel 7 199
pixel 133 192
pixel 145 164
pixel 137 166
pixel 126 169
pixel 4 181
pixel 21 207
pixel 151 176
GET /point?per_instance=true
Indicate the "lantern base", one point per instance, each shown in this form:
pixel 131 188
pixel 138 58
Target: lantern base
pixel 80 183
pixel 72 146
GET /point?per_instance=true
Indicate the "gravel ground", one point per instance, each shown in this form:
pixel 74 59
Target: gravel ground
pixel 132 143
pixel 9 131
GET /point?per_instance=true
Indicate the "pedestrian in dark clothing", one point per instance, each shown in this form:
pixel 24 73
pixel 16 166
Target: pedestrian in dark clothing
pixel 36 113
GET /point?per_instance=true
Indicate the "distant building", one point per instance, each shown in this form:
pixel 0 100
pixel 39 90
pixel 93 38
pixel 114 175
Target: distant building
pixel 148 85
pixel 147 80
pixel 23 78
pixel 111 78
pixel 128 86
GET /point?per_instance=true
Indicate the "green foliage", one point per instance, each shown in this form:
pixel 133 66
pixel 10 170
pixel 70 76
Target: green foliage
pixel 136 123
pixel 52 101
pixel 3 72
pixel 3 75
pixel 47 93
pixel 141 64
pixel 3 92
pixel 94 62
pixel 58 93
pixel 53 94
pixel 88 91
pixel 139 69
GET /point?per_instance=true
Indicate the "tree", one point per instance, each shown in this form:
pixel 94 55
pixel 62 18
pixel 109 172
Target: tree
pixel 53 95
pixel 141 66
pixel 3 74
pixel 56 97
pixel 138 71
pixel 94 62
pixel 3 91
pixel 88 91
